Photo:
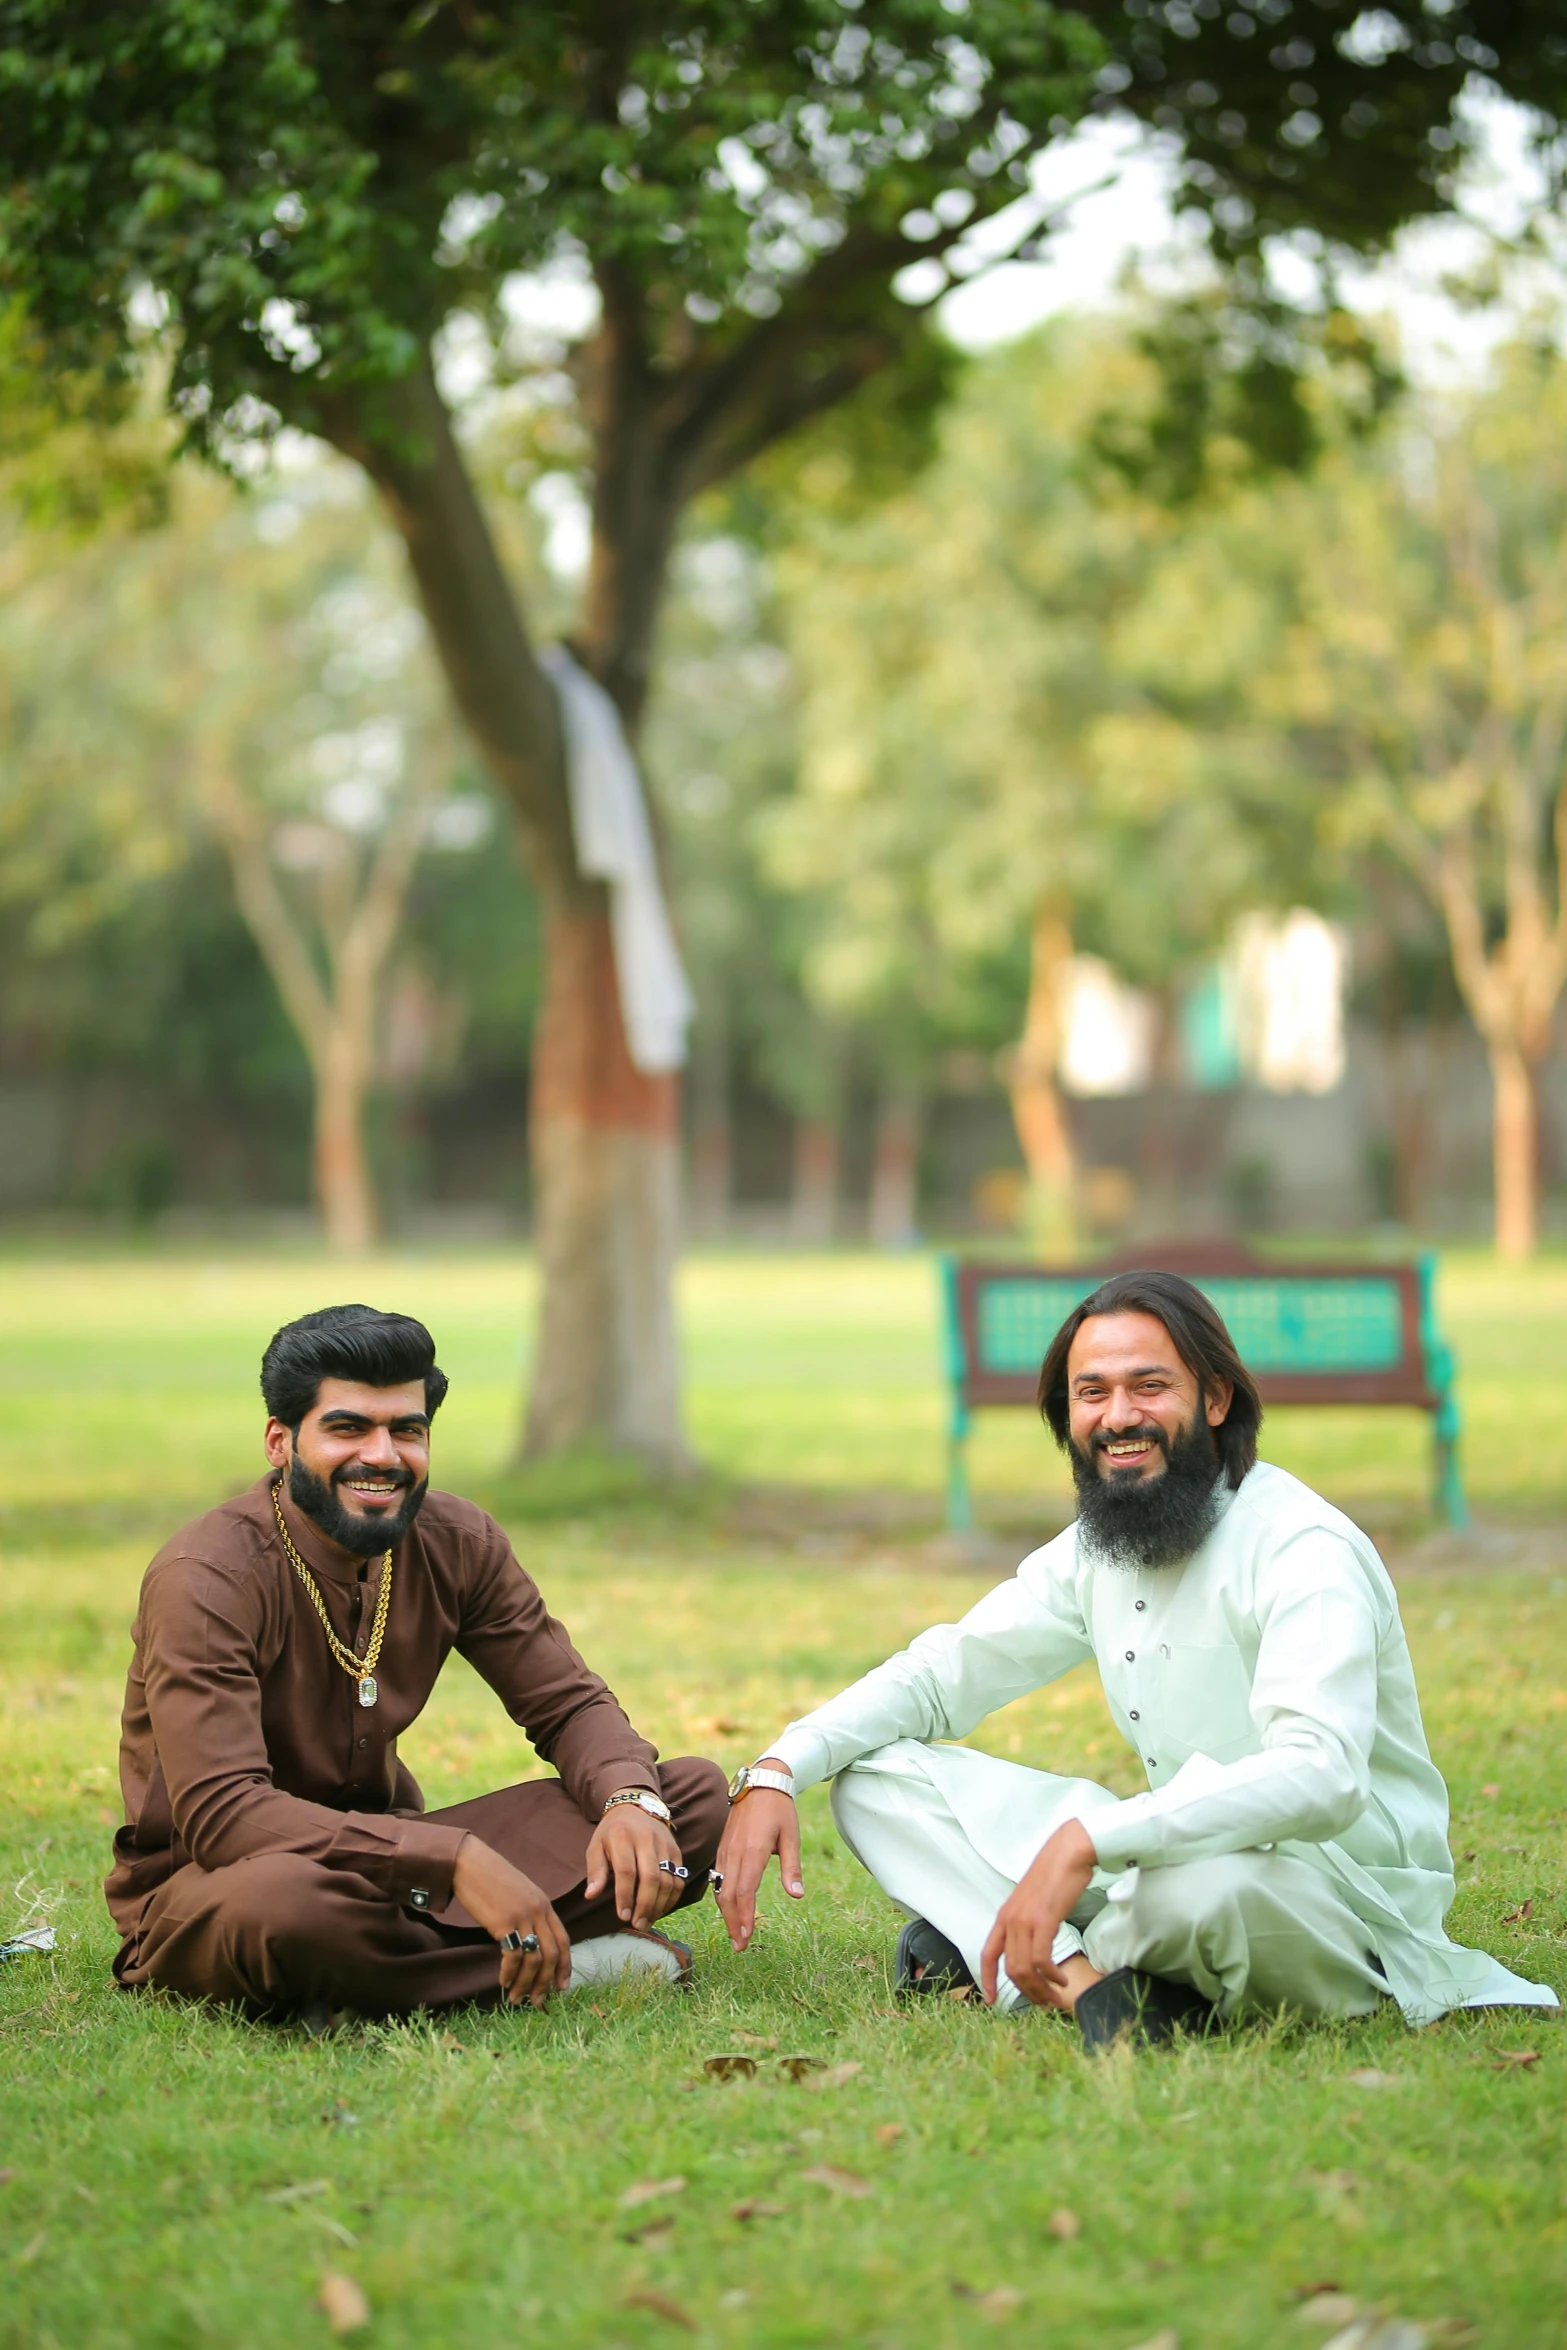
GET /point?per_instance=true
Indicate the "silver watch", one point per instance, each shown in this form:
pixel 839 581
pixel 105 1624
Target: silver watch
pixel 748 1777
pixel 644 1800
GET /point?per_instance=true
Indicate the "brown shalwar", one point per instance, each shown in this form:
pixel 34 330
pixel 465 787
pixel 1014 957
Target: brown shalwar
pixel 277 1850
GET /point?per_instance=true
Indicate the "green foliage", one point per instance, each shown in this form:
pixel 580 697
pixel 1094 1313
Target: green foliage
pixel 1247 387
pixel 309 189
pixel 991 719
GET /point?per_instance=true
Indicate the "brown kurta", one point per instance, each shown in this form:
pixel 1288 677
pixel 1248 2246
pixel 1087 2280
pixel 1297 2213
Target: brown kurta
pixel 244 1742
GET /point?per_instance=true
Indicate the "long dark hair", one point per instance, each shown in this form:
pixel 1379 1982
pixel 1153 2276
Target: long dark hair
pixel 1201 1340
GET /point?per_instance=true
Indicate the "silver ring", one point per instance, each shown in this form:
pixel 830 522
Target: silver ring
pixel 516 1941
pixel 672 1868
pixel 715 1878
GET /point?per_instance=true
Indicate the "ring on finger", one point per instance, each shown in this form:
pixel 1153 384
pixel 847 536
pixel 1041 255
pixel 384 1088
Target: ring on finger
pixel 516 1941
pixel 715 1878
pixel 673 1868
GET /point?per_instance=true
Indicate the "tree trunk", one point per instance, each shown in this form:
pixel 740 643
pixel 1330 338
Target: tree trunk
pixel 1038 1111
pixel 604 1138
pixel 1515 1151
pixel 345 1190
pixel 606 1155
pixel 813 1203
pixel 894 1203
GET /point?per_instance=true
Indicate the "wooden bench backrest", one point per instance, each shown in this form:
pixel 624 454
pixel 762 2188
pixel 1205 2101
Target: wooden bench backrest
pixel 1309 1333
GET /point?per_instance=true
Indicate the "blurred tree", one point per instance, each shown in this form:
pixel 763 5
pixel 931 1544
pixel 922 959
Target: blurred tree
pixel 255 671
pixel 997 743
pixel 1422 674
pixel 303 194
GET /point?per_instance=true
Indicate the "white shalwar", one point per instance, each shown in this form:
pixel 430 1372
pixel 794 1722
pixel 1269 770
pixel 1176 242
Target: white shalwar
pixel 1291 1849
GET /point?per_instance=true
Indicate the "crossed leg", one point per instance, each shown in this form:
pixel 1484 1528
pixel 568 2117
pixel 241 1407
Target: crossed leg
pixel 276 1931
pixel 1249 1930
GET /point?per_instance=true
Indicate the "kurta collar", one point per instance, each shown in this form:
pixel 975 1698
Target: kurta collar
pixel 323 1559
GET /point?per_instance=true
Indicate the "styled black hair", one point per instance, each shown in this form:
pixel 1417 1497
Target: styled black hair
pixel 347 1342
pixel 1201 1340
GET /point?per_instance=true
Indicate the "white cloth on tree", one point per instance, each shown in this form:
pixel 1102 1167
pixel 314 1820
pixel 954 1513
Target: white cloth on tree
pixel 1267 1688
pixel 614 841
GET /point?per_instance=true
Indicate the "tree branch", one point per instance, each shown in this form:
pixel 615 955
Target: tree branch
pixel 401 433
pixel 238 823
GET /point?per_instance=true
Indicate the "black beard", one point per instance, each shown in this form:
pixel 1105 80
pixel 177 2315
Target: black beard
pixel 1137 1521
pixel 365 1537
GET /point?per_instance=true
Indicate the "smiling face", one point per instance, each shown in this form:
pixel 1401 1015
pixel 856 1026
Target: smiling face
pixel 359 1461
pixel 1130 1398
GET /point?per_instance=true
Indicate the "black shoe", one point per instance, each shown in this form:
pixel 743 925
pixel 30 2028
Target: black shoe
pixel 1148 2009
pixel 927 1961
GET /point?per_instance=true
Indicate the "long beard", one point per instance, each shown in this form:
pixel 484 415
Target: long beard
pixel 1136 1521
pixel 365 1537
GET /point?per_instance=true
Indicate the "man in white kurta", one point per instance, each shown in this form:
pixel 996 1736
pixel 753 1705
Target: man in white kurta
pixel 1291 1848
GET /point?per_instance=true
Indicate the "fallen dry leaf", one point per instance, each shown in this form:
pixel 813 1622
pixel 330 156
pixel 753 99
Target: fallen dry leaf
pixel 649 2229
pixel 344 2302
pixel 836 2181
pixel 1490 1788
pixel 1165 2339
pixel 1520 1915
pixel 1514 2056
pixel 1337 2182
pixel 1369 2078
pixel 867 1965
pixel 755 2040
pixel 888 2133
pixel 729 2068
pixel 662 2305
pixel 798 2066
pixel 300 2194
pixel 961 1991
pixel 649 2191
pixel 1329 2308
pixel 894 2015
pixel 1064 2225
pixel 834 2077
pixel 1000 2301
pixel 756 2207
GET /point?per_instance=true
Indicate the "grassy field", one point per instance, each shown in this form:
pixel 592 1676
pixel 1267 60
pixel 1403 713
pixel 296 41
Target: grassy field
pixel 170 2178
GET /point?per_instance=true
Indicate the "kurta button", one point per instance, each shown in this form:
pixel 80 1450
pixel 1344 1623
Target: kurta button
pixel 363 1743
pixel 1131 1656
pixel 1136 1716
pixel 1152 1761
pixel 1140 1605
pixel 418 1898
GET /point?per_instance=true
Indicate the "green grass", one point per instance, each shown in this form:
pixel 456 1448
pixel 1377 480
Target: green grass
pixel 468 2172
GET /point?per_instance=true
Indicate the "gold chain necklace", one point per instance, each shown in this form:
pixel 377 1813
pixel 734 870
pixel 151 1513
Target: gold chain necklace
pixel 360 1669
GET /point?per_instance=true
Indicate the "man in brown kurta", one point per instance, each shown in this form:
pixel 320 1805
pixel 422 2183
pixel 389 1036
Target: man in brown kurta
pixel 277 1851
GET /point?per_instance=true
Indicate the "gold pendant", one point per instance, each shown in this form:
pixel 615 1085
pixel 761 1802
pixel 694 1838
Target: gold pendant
pixel 367 1690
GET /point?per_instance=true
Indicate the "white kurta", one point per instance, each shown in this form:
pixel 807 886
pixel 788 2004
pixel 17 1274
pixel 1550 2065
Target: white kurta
pixel 1266 1685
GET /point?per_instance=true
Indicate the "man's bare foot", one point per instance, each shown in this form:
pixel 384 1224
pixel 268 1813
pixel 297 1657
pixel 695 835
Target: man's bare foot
pixel 1080 1977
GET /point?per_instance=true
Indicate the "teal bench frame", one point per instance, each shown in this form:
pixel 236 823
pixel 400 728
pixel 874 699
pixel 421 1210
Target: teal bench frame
pixel 1311 1334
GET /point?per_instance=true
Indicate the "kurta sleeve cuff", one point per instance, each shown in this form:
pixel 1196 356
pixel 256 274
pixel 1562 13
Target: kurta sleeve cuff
pixel 422 1865
pixel 1122 1834
pixel 806 1754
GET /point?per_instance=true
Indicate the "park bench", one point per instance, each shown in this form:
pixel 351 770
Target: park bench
pixel 1310 1333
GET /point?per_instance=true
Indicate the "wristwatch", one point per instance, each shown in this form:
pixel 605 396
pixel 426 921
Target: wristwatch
pixel 644 1800
pixel 748 1776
